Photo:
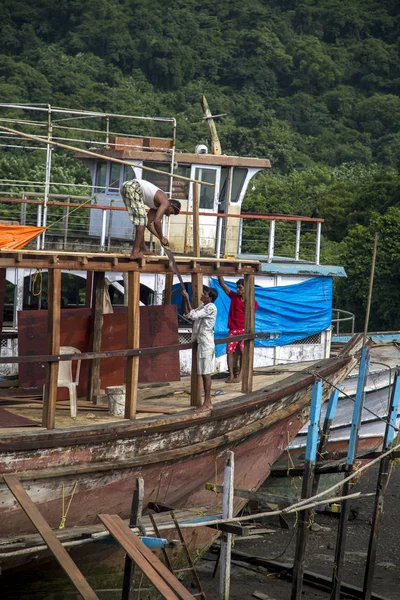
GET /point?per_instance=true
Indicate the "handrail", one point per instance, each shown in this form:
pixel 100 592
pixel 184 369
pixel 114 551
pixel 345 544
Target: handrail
pixel 351 317
pixel 124 353
pixel 263 216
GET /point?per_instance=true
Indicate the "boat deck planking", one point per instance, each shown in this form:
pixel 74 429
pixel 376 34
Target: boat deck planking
pixel 177 398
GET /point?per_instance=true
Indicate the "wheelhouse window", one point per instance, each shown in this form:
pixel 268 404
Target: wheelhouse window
pixel 101 177
pixel 239 177
pixel 207 193
pixel 108 176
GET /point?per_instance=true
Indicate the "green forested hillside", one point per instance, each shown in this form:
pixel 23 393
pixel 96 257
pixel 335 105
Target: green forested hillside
pixel 313 85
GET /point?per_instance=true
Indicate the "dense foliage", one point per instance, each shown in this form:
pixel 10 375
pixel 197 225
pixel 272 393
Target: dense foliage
pixel 311 84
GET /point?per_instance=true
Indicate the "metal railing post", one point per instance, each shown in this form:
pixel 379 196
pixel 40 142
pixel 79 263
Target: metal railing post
pixel 103 230
pixel 318 244
pixel 66 220
pixel 297 248
pixel 271 241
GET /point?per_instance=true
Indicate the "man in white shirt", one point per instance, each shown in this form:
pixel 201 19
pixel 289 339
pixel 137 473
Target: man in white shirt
pixel 203 319
pixel 137 194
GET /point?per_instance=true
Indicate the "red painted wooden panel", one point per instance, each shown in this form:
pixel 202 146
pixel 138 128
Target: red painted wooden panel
pixel 158 327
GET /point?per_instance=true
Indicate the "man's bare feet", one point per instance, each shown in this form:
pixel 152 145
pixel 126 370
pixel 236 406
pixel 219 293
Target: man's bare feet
pixel 136 254
pixel 145 250
pixel 230 379
pixel 237 379
pixel 203 407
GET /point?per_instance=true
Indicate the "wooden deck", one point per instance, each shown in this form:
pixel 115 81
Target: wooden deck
pixel 152 401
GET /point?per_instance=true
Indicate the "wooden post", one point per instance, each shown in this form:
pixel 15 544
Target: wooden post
pixel 132 362
pixel 3 272
pixel 196 220
pixel 53 347
pixel 383 479
pixel 96 326
pixel 89 289
pixel 226 539
pixel 136 515
pixel 169 280
pixel 351 455
pixel 306 491
pixel 196 388
pixel 249 319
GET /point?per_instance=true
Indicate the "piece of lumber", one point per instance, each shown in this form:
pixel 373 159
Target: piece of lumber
pixel 235 529
pixel 132 362
pixel 261 596
pixel 197 290
pixel 96 327
pixel 166 583
pixel 281 501
pixel 53 336
pixel 249 321
pixel 62 556
pixel 157 410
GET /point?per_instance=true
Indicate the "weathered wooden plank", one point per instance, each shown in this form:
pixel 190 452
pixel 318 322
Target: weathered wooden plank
pixel 196 220
pixel 196 387
pixel 96 326
pixel 115 353
pixel 169 280
pixel 89 289
pixel 53 543
pixel 132 363
pixel 53 332
pixel 124 536
pixel 2 295
pixel 249 320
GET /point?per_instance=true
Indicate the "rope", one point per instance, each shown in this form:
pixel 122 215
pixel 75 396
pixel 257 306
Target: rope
pixel 35 276
pixel 64 514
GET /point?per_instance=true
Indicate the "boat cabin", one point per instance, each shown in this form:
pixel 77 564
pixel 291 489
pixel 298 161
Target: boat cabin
pixel 229 175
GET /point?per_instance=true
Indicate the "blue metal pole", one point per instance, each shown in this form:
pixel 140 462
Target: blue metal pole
pixel 308 480
pixel 351 455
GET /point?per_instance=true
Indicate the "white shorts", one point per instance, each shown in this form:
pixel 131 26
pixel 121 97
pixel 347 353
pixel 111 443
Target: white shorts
pixel 206 364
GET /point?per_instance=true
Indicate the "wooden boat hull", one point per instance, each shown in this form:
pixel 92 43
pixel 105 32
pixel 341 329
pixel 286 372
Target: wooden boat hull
pixel 175 455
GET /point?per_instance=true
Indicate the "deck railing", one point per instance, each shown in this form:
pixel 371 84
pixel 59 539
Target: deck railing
pixel 68 223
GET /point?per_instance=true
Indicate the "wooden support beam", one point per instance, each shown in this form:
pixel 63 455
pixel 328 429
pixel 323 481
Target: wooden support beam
pixel 2 295
pixel 53 346
pixel 249 321
pixel 96 327
pixel 169 280
pixel 89 289
pixel 132 363
pixel 196 388
pixel 196 219
pixel 50 539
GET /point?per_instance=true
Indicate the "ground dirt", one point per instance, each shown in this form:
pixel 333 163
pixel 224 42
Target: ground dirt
pixel 280 545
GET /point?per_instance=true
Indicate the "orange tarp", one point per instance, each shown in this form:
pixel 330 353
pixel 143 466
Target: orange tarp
pixel 15 237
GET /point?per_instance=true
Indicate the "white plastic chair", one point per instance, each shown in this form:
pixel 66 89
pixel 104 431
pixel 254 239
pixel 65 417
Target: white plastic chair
pixel 65 376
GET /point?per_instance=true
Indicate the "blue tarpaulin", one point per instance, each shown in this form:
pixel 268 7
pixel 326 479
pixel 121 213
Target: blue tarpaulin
pixel 289 313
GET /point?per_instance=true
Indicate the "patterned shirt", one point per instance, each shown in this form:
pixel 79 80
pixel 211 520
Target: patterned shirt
pixel 203 319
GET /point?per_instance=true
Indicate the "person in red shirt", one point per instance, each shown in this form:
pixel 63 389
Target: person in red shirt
pixel 234 350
